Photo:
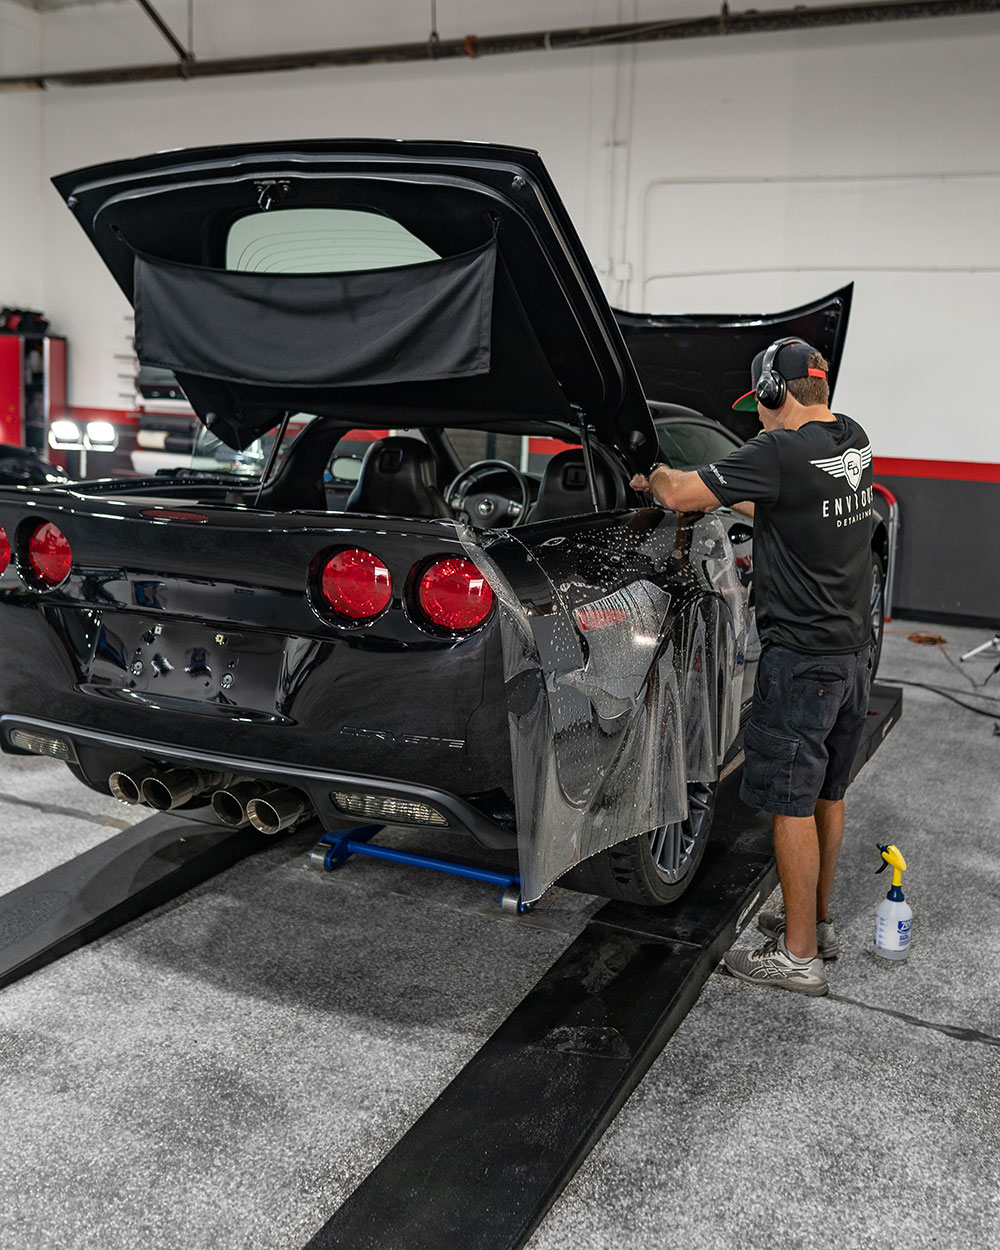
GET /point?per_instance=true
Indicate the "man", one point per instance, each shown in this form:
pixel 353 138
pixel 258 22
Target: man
pixel 807 481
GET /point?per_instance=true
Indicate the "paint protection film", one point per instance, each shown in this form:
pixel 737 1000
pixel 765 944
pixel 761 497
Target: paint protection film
pixel 623 659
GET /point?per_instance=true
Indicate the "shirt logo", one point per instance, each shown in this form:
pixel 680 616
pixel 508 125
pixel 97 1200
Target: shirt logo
pixel 850 465
pixel 718 474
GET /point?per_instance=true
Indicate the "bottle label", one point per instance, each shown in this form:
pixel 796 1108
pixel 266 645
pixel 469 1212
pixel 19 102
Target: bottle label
pixel 892 935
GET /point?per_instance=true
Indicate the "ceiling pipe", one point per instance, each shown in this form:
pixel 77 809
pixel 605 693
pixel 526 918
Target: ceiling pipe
pixel 185 54
pixel 724 23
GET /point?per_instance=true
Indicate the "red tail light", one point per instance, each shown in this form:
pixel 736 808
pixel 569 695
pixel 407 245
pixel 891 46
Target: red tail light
pixel 454 594
pixel 4 550
pixel 356 584
pixel 49 554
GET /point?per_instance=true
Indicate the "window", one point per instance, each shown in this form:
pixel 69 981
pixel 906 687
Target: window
pixel 321 240
pixel 689 445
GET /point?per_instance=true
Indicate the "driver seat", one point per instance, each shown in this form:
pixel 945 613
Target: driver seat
pixel 565 490
pixel 398 478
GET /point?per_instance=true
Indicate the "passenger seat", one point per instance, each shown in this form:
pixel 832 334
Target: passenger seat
pixel 398 478
pixel 565 490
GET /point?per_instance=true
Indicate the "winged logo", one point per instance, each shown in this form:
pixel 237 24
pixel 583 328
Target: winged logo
pixel 851 464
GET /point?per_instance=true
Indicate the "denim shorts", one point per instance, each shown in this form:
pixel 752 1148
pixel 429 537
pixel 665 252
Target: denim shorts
pixel 805 728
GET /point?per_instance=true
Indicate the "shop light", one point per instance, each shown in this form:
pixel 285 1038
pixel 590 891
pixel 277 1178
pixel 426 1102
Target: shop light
pixel 66 435
pixel 100 436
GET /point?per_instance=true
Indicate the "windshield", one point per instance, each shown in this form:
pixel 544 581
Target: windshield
pixel 211 455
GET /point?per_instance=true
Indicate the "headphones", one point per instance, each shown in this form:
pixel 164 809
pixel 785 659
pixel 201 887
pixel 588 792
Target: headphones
pixel 771 386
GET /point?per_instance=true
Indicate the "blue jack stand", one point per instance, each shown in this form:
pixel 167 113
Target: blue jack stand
pixel 334 849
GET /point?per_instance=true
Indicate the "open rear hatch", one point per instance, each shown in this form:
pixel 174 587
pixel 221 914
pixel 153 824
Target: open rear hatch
pixel 437 283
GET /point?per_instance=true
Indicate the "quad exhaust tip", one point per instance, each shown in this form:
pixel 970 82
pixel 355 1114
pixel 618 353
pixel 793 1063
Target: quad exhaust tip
pixel 125 788
pixel 275 810
pixel 230 804
pixel 165 791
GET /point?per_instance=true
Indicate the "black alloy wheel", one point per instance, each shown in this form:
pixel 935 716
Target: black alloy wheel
pixel 656 867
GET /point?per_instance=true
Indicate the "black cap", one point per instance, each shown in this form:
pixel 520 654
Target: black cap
pixel 791 361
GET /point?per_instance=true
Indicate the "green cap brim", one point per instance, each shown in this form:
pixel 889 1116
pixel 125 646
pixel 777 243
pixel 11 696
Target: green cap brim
pixel 747 402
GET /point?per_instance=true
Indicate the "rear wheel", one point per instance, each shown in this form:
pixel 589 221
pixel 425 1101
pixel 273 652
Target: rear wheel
pixel 656 867
pixel 878 607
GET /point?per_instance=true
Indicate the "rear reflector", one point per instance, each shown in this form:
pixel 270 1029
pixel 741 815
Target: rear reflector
pixel 39 745
pixel 455 595
pixel 392 811
pixel 49 554
pixel 356 584
pixel 4 550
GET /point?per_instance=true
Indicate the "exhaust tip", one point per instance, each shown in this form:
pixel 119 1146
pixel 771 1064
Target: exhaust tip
pixel 125 789
pixel 276 810
pixel 230 804
pixel 165 791
pixel 157 794
pixel 229 809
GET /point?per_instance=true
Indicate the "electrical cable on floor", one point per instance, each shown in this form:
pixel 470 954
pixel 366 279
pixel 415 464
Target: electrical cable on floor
pixel 935 640
pixel 947 693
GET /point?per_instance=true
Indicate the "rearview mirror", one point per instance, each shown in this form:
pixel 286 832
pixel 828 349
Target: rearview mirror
pixel 345 469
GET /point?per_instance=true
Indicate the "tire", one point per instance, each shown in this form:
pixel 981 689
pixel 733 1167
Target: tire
pixel 877 607
pixel 656 867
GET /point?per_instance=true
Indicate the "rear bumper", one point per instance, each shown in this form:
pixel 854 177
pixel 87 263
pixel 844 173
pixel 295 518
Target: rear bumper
pixel 97 754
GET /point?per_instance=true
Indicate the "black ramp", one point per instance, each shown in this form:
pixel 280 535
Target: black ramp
pixel 107 886
pixel 484 1163
pixel 482 1166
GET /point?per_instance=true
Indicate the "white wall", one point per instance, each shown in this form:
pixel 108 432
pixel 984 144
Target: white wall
pixel 22 280
pixel 773 168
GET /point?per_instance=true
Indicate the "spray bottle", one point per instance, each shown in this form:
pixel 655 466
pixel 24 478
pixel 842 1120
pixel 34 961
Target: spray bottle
pixel 893 915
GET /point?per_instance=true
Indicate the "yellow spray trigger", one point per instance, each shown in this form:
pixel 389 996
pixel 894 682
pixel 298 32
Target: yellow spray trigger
pixel 894 859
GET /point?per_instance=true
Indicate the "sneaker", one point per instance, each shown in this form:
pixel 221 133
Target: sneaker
pixel 771 964
pixel 772 925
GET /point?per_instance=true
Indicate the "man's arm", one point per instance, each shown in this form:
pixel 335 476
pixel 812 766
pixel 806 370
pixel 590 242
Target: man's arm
pixel 676 489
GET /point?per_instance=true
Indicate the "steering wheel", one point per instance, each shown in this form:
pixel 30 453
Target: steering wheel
pixel 487 509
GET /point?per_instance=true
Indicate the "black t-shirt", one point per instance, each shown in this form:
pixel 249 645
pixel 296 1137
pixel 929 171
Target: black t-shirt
pixel 812 488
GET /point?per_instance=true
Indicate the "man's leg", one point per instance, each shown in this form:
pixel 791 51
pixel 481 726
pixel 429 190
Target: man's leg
pixel 830 832
pixel 797 850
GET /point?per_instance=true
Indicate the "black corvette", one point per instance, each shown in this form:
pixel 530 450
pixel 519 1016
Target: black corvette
pixel 436 637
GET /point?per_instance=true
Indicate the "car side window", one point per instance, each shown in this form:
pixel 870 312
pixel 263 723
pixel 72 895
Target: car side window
pixel 691 445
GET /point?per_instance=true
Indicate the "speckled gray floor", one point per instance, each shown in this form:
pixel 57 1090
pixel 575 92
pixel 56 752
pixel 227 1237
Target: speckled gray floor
pixel 223 1072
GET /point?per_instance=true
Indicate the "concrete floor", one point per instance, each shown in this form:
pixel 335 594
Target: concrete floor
pixel 223 1072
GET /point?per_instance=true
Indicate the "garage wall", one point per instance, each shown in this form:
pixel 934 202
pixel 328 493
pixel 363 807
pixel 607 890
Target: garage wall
pixel 22 281
pixel 745 173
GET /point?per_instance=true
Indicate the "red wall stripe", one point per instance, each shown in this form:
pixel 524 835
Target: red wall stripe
pixel 951 470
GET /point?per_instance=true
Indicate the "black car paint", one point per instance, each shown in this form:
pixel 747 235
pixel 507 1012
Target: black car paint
pixel 703 362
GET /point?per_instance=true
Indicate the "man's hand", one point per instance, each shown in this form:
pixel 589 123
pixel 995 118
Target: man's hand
pixel 673 488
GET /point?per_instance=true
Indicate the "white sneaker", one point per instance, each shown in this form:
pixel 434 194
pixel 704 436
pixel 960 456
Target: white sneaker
pixel 772 925
pixel 772 964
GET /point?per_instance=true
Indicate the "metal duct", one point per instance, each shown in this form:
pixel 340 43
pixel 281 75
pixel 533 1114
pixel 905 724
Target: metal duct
pixel 751 22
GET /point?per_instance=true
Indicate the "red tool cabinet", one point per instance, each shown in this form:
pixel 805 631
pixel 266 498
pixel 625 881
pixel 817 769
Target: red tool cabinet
pixel 32 388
